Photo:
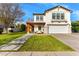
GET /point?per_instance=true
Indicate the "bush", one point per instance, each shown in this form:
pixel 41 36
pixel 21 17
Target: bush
pixel 1 30
pixel 75 26
pixel 10 30
pixel 23 26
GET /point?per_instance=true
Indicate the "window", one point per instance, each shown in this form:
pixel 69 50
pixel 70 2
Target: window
pixel 39 27
pixel 53 15
pixel 37 18
pixel 58 15
pixel 41 18
pixel 62 15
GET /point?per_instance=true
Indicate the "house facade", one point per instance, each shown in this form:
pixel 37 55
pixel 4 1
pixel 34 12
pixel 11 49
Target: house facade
pixel 53 20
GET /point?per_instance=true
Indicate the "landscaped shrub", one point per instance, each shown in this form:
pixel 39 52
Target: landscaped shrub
pixel 1 30
pixel 75 26
pixel 22 27
pixel 10 30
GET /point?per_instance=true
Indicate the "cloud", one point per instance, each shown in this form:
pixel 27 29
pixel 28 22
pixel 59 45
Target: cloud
pixel 76 14
pixel 65 5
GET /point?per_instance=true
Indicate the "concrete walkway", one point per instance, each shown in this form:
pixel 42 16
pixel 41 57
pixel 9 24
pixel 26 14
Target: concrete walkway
pixel 71 40
pixel 15 44
pixel 39 53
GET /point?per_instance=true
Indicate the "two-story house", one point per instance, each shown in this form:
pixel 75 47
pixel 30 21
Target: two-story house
pixel 54 20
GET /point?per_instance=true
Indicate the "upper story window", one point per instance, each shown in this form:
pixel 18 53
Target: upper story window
pixel 53 15
pixel 62 15
pixel 39 18
pixel 58 15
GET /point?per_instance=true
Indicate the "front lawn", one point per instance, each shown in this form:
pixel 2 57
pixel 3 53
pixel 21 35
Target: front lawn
pixel 5 38
pixel 44 43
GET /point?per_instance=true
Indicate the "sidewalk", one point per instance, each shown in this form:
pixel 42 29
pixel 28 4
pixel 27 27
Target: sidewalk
pixel 15 44
pixel 39 53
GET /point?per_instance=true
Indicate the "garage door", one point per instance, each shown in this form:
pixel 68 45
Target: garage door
pixel 58 29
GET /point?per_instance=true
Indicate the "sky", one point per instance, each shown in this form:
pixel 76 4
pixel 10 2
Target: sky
pixel 30 8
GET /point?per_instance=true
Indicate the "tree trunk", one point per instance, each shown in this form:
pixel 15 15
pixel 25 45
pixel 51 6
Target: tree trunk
pixel 5 30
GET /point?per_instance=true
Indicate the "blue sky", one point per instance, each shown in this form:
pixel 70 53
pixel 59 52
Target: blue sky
pixel 30 8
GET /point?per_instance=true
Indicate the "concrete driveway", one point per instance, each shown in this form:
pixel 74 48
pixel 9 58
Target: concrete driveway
pixel 71 40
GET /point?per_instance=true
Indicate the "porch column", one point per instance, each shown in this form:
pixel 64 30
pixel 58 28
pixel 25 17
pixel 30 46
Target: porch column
pixel 28 28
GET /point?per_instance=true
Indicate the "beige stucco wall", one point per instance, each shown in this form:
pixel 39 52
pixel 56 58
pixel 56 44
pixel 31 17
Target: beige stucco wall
pixel 48 15
pixel 36 28
pixel 48 19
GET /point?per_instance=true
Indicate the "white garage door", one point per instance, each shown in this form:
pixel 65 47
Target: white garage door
pixel 58 29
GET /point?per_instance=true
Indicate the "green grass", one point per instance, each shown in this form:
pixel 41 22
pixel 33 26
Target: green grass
pixel 44 43
pixel 5 38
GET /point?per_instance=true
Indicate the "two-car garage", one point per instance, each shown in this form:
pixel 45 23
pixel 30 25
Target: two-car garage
pixel 57 29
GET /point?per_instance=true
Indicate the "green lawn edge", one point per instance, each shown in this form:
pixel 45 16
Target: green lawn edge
pixel 32 44
pixel 6 38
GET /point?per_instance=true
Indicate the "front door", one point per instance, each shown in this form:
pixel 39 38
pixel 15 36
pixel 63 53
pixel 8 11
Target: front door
pixel 39 28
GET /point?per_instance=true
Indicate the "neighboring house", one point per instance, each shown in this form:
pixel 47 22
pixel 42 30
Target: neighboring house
pixel 1 26
pixel 54 20
pixel 3 30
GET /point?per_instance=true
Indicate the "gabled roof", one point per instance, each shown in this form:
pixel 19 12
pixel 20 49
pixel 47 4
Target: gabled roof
pixel 51 9
pixel 58 7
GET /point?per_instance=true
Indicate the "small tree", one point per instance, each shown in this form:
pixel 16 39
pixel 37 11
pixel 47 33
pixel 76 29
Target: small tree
pixel 23 27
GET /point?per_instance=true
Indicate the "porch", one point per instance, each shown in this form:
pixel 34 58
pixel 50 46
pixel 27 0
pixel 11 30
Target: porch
pixel 35 27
